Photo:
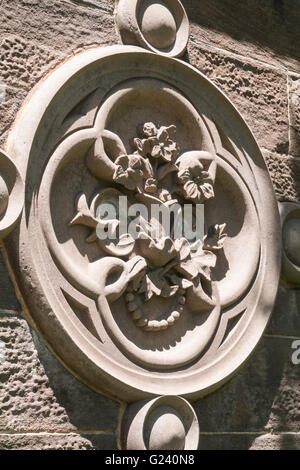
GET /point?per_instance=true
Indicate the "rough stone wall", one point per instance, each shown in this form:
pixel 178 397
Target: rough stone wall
pixel 250 49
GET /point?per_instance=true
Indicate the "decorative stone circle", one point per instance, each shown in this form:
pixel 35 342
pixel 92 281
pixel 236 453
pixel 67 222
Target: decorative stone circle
pixel 290 223
pixel 161 26
pixel 11 194
pixel 135 318
pixel 163 423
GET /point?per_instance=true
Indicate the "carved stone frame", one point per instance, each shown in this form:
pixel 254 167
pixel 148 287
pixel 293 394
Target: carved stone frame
pixel 28 248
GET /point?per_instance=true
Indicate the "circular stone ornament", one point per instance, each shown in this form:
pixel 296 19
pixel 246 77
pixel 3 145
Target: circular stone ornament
pixel 290 223
pixel 11 194
pixel 91 121
pixel 163 423
pixel 161 26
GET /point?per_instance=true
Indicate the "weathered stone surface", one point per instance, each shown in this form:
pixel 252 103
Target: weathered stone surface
pixel 226 441
pixel 285 319
pixel 9 106
pixel 23 62
pixel 285 174
pixel 39 394
pixel 265 393
pixel 35 36
pixel 276 442
pixel 60 25
pixel 294 114
pixel 266 30
pixel 285 413
pixel 58 441
pixel 258 92
pixel 253 441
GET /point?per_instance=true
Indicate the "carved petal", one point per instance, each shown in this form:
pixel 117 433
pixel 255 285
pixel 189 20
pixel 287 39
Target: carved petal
pixel 156 151
pixel 207 190
pixel 192 192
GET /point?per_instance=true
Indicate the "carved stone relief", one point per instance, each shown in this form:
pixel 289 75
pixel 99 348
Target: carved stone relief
pixel 11 194
pixel 161 26
pixel 149 313
pixel 163 423
pixel 142 314
pixel 290 223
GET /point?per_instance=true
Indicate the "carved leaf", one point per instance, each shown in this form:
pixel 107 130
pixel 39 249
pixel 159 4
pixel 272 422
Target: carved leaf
pixel 214 240
pixel 188 269
pixel 84 215
pixel 204 262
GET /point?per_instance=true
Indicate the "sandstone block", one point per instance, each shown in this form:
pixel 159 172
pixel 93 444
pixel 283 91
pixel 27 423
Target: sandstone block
pixel 258 92
pixel 38 393
pixel 294 115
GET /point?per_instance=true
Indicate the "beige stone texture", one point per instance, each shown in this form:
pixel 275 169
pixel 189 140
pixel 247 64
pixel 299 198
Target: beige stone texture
pixel 276 442
pixel 259 92
pixel 58 441
pixel 38 394
pixel 285 174
pixel 294 114
pixel 267 31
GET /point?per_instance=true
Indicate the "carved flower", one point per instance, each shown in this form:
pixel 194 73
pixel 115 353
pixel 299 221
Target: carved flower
pixel 131 170
pixel 149 129
pixel 197 183
pixel 199 259
pixel 158 142
pixel 150 185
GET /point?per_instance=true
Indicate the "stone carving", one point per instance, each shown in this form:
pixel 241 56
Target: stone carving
pixel 164 266
pixel 161 26
pixel 163 423
pixel 290 223
pixel 11 194
pixel 136 317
